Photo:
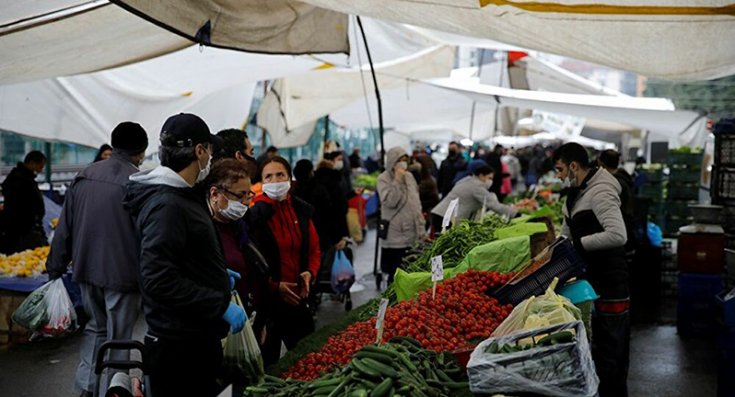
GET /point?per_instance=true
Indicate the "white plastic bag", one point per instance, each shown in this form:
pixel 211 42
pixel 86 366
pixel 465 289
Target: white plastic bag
pixel 563 369
pixel 47 311
pixel 242 360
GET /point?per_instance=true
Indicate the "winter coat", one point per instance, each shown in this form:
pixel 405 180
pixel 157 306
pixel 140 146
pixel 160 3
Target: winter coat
pixel 472 193
pixel 23 205
pixel 95 233
pixel 448 171
pixel 593 220
pixel 183 277
pixel 329 199
pixel 400 205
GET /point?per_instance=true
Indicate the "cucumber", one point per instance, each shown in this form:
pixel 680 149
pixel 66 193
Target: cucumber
pixel 324 382
pixel 383 358
pixel 383 388
pixel 360 367
pixel 385 370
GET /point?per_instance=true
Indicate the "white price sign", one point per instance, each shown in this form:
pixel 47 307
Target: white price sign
pixel 437 269
pixel 381 313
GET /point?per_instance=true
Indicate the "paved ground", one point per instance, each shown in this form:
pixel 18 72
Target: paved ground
pixel 662 364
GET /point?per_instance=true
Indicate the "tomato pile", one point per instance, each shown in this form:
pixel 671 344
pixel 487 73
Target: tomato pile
pixel 460 315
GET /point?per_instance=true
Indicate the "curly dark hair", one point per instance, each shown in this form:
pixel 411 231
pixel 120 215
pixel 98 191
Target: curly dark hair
pixel 226 172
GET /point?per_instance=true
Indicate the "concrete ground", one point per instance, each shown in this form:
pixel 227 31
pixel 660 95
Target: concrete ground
pixel 661 363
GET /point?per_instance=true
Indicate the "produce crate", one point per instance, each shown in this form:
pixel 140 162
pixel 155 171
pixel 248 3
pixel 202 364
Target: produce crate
pixel 684 158
pixel 685 174
pixel 564 369
pixel 727 312
pixel 683 191
pixel 652 175
pixel 679 208
pixel 559 260
pixel 724 132
pixel 722 189
pixel 651 190
pixel 696 309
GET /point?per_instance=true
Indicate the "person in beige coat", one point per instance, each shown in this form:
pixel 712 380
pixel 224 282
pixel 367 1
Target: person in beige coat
pixel 401 207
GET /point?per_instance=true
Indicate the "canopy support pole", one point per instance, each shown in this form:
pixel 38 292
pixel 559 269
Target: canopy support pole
pixel 376 271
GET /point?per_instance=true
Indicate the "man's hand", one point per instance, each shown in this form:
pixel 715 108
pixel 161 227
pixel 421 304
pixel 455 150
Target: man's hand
pixel 286 291
pixel 306 282
pixel 233 276
pixel 340 245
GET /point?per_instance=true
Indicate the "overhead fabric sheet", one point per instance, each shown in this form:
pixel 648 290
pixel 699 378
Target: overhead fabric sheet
pixel 268 26
pixel 215 84
pixel 668 39
pixel 43 39
pixel 656 115
pixel 295 101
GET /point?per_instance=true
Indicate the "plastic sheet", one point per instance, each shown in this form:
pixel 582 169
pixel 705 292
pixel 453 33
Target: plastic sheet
pixel 242 359
pixel 48 311
pixel 564 369
pixel 539 311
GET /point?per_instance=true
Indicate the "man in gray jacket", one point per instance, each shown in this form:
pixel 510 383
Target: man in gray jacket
pixel 473 192
pixel 97 236
pixel 594 222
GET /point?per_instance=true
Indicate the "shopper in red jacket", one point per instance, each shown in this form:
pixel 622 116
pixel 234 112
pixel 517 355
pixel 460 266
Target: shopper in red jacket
pixel 282 228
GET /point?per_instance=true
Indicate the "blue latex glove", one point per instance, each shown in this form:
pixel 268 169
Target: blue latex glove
pixel 235 316
pixel 233 275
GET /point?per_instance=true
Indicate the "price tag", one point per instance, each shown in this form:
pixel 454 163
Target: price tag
pixel 437 268
pixel 450 213
pixel 379 320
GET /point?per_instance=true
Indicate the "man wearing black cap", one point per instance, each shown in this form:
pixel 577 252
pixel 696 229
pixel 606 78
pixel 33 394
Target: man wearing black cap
pixel 184 280
pixel 96 235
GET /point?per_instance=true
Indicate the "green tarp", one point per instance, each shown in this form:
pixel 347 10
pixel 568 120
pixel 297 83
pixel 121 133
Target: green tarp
pixel 541 212
pixel 501 256
pixel 522 229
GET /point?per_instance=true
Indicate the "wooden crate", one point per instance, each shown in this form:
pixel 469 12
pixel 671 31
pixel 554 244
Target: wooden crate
pixel 11 333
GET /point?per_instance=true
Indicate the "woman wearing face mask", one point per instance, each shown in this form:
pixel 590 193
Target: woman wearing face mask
pixel 228 195
pixel 282 229
pixel 473 192
pixel 401 208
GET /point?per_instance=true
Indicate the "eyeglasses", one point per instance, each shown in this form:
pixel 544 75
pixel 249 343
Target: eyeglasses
pixel 249 194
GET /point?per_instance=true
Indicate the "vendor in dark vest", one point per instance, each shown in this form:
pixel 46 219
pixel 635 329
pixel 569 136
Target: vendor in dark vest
pixel 594 222
pixel 282 229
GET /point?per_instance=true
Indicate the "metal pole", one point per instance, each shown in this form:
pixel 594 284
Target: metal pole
pixel 48 164
pixel 376 272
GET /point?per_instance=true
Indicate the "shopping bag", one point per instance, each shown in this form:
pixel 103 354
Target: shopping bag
pixel 48 311
pixel 343 275
pixel 242 360
pixel 539 311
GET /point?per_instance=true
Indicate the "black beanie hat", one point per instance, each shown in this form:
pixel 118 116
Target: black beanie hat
pixel 130 137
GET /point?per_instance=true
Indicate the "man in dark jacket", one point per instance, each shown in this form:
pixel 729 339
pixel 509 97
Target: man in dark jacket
pixel 493 159
pixel 449 168
pixel 592 219
pixel 23 208
pixel 96 235
pixel 183 277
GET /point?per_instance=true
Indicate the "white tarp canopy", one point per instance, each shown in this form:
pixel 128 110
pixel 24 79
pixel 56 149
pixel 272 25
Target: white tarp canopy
pixel 668 39
pixel 295 101
pixel 215 84
pixel 656 115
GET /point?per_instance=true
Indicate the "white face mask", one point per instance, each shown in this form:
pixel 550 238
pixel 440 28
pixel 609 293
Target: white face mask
pixel 338 165
pixel 203 172
pixel 277 190
pixel 234 211
pixel 488 183
pixel 402 165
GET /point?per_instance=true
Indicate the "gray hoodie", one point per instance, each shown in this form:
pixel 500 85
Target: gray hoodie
pixel 472 193
pixel 400 204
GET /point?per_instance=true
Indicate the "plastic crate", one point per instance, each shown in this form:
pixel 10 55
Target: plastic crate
pixel 651 175
pixel 685 174
pixel 696 308
pixel 727 312
pixel 684 158
pixel 678 208
pixel 722 189
pixel 724 132
pixel 563 263
pixel 683 191
pixel 651 190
